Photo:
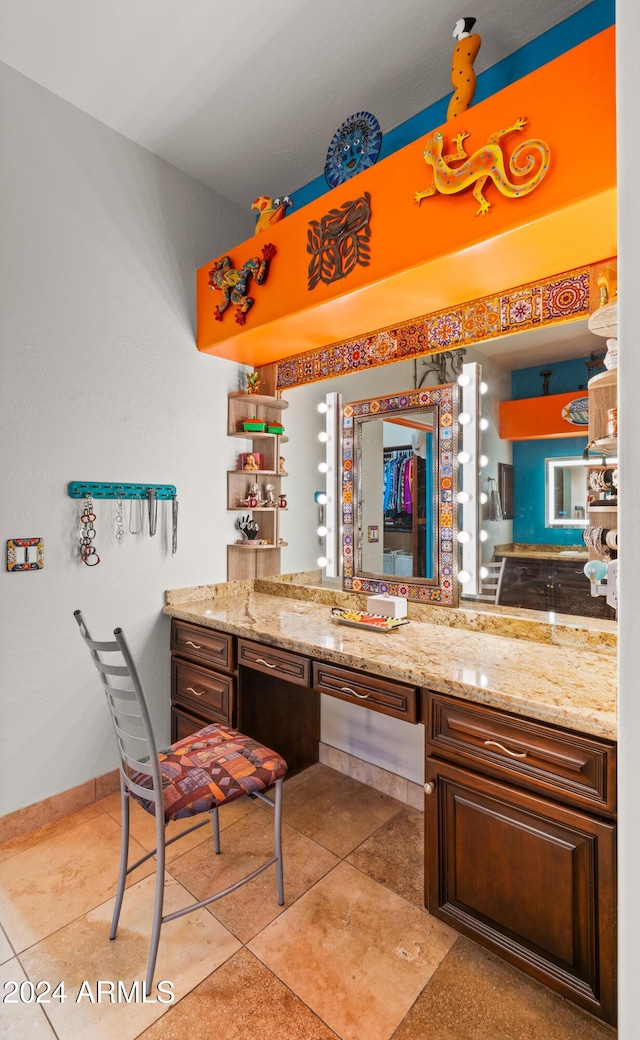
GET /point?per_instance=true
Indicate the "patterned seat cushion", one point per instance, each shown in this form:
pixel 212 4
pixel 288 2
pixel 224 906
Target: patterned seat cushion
pixel 213 766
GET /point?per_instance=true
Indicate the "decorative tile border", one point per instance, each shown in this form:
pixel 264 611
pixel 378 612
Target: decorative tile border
pixel 443 400
pixel 544 303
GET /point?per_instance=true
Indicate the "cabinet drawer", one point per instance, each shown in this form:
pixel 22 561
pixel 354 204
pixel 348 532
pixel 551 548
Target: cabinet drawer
pixel 384 695
pixel 280 663
pixel 202 644
pixel 183 724
pixel 567 766
pixel 202 691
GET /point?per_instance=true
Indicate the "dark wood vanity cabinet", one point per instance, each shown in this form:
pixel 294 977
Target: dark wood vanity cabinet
pixel 203 683
pixel 559 585
pixel 521 844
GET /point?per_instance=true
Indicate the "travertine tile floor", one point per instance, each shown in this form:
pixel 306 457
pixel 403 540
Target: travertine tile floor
pixel 352 955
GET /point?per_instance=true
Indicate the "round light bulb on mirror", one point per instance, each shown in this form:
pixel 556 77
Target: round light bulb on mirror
pixel 323 467
pixel 322 561
pixel 464 418
pixel 464 537
pixel 322 531
pixel 464 577
pixel 484 573
pixel 484 535
pixel 484 423
pixel 464 379
pixel 322 407
pixel 464 457
pixel 484 498
pixel 322 498
pixel 323 436
pixel 484 461
pixel 463 496
pixel 483 388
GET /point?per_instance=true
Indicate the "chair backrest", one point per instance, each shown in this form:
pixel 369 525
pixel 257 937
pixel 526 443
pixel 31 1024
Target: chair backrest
pixel 492 584
pixel 130 716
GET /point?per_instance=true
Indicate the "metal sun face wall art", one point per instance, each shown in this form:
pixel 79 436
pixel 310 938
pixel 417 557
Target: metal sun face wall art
pixel 355 146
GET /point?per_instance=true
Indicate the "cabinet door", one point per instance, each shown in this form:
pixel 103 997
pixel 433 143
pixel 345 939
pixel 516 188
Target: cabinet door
pixel 528 879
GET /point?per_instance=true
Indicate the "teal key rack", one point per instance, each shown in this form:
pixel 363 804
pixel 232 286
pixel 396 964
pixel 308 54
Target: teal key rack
pixel 82 488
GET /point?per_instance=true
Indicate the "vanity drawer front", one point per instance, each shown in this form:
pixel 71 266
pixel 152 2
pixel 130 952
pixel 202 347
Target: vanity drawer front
pixel 202 691
pixel 384 695
pixel 202 644
pixel 280 663
pixel 567 766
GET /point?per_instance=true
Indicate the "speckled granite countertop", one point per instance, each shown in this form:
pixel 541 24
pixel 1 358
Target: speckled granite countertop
pixel 565 685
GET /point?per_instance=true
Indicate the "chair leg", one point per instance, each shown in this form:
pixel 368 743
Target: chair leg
pixel 124 859
pixel 158 902
pixel 216 829
pixel 277 825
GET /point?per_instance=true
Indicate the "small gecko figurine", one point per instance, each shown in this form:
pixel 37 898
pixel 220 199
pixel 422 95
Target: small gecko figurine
pixel 487 162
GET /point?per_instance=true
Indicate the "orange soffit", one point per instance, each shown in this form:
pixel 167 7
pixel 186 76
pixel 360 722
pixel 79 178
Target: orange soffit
pixel 425 238
pixel 541 418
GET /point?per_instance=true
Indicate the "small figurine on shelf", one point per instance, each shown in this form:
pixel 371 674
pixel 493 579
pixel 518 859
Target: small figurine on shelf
pixel 253 499
pixel 250 462
pixel 270 496
pixel 283 501
pixel 248 527
pixel 281 465
pixel 253 383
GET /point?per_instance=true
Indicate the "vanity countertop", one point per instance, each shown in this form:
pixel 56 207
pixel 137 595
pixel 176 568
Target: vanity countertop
pixel 565 685
pixel 541 552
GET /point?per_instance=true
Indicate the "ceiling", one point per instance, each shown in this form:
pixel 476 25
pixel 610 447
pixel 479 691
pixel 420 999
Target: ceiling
pixel 245 97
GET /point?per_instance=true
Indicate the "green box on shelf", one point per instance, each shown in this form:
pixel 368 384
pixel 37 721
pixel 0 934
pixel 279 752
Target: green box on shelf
pixel 254 426
pixel 275 428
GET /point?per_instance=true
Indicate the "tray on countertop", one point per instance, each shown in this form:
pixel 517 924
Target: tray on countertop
pixel 366 620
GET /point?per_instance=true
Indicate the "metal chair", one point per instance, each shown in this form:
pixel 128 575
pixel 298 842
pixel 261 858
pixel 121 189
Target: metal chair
pixel 195 775
pixel 492 584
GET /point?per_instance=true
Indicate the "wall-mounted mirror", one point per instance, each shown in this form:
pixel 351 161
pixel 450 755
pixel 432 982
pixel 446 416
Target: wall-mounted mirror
pixel 565 492
pixel 399 487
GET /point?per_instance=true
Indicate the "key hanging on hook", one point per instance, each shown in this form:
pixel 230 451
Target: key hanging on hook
pixel 152 495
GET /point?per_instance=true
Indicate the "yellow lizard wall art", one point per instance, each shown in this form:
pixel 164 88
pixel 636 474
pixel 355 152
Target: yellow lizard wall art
pixel 487 162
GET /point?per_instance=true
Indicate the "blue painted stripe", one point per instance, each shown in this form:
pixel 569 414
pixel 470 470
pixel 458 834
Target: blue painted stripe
pixel 581 26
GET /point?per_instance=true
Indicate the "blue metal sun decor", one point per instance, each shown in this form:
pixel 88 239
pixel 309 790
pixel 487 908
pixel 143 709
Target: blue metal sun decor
pixel 355 146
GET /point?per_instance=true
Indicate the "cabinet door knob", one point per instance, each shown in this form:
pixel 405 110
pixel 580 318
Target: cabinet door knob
pixel 354 693
pixel 429 788
pixel 261 660
pixel 196 646
pixel 514 754
pixel 190 689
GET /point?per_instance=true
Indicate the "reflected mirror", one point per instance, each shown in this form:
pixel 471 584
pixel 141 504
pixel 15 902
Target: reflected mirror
pixel 399 484
pixel 565 492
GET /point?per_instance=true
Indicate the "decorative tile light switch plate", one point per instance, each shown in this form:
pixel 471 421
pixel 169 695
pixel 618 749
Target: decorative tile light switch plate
pixel 25 554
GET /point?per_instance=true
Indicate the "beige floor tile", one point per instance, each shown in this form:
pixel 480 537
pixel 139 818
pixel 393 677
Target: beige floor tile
pixel 356 953
pixel 394 855
pixel 191 947
pixel 335 810
pixel 242 1000
pixel 23 1018
pixel 244 846
pixel 46 886
pixel 48 830
pixel 6 952
pixel 476 996
pixel 142 825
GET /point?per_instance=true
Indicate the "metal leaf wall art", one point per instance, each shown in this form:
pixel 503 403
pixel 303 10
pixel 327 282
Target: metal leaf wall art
pixel 339 241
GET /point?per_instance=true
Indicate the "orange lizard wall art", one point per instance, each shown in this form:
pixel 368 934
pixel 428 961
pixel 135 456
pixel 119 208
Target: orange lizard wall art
pixel 486 163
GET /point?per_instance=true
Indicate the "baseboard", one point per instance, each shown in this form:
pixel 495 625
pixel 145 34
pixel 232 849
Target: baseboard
pixel 374 776
pixel 20 822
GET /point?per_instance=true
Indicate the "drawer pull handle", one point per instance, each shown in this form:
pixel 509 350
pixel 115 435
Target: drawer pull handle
pixel 429 788
pixel 196 646
pixel 190 689
pixel 261 660
pixel 354 693
pixel 514 754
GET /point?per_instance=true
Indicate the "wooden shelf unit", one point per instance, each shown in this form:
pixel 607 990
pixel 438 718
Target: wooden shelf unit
pixel 246 559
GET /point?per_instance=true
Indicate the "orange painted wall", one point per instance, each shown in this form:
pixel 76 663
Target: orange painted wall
pixel 538 418
pixel 438 254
